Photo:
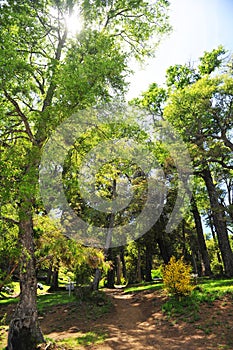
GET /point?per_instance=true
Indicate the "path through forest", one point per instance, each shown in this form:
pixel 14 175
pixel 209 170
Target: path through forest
pixel 137 322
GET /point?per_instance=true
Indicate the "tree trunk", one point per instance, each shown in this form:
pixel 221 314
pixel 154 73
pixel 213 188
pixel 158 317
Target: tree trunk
pixel 24 332
pixel 216 245
pixel 148 277
pixel 49 274
pixel 97 276
pixel 111 271
pixel 219 223
pixel 119 269
pixel 165 249
pixel 201 240
pixel 122 255
pixel 139 271
pixel 54 284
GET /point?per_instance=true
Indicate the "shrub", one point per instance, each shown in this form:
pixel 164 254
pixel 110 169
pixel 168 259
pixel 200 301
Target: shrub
pixel 177 277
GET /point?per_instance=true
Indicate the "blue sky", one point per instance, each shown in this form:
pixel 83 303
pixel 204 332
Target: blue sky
pixel 198 26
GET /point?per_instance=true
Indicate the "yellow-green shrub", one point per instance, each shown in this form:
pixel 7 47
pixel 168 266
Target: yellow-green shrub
pixel 177 277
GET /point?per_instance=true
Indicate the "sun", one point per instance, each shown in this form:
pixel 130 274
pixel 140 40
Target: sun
pixel 74 23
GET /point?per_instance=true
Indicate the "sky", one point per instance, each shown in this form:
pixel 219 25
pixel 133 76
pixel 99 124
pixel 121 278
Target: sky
pixel 198 26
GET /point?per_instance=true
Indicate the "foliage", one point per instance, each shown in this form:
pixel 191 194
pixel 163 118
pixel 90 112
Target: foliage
pixel 91 259
pixel 45 77
pixel 197 103
pixel 177 277
pixel 157 273
pixel 83 273
pixel 214 254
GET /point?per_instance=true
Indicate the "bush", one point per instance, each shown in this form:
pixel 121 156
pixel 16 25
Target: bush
pixel 83 274
pixel 177 277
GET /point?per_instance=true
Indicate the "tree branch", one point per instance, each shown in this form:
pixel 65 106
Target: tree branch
pixel 22 116
pixel 52 86
pixel 10 220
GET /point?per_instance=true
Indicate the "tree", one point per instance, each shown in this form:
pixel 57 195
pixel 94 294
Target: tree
pixel 201 238
pixel 198 104
pixel 198 112
pixel 46 76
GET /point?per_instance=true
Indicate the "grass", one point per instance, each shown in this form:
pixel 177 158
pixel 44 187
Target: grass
pixel 222 286
pixel 207 291
pixel 84 339
pixel 92 308
pixel 10 299
pixel 146 286
pixel 49 300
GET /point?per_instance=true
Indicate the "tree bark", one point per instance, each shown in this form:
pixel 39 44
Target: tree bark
pixel 165 249
pixel 216 244
pixel 148 277
pixel 201 240
pixel 111 271
pixel 119 269
pixel 24 332
pixel 97 276
pixel 219 223
pixel 54 284
pixel 139 271
pixel 122 255
pixel 49 274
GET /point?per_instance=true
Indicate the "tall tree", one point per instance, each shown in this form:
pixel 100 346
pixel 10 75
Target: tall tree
pixel 46 76
pixel 201 238
pixel 198 104
pixel 198 112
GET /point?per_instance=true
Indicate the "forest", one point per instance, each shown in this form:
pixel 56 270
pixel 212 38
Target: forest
pixel 150 179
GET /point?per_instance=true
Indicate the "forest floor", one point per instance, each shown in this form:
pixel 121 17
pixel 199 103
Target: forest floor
pixel 136 321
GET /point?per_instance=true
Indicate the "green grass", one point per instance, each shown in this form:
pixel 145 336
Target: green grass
pixel 93 308
pixel 48 300
pixel 8 300
pixel 222 286
pixel 84 339
pixel 207 291
pixel 42 296
pixel 146 286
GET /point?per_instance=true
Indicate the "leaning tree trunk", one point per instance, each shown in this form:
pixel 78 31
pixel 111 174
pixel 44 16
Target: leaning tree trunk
pixel 24 332
pixel 219 221
pixel 201 239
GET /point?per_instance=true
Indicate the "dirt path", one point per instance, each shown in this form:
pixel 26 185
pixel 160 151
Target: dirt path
pixel 137 322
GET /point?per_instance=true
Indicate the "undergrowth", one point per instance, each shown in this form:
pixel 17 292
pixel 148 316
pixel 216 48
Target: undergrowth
pixel 187 307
